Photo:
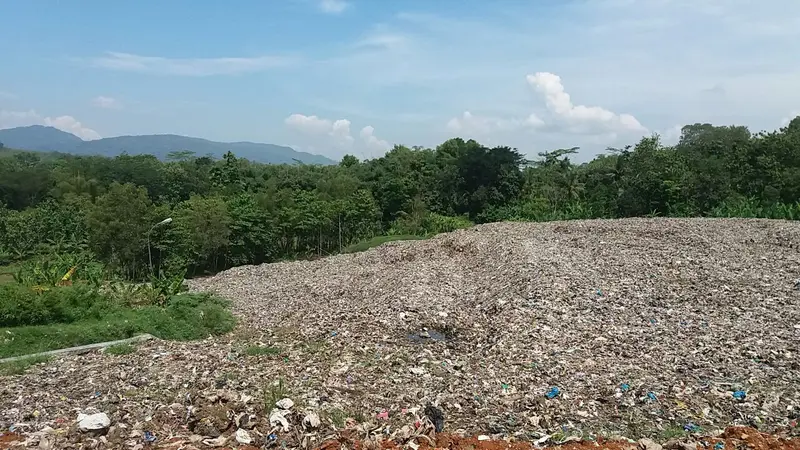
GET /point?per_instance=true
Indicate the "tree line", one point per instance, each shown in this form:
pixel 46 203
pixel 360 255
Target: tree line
pixel 233 211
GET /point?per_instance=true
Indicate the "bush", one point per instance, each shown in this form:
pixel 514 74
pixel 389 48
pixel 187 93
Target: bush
pixel 186 317
pixel 20 305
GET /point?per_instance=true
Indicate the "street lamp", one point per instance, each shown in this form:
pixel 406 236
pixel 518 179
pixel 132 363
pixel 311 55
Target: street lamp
pixel 149 253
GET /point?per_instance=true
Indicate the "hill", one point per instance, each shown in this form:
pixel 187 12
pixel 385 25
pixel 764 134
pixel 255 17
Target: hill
pixel 41 138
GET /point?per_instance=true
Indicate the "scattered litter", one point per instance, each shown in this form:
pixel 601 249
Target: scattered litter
pixel 521 310
pixel 553 392
pixel 149 437
pixel 436 416
pixel 285 403
pixel 739 395
pixel 691 427
pixel 93 422
pixel 311 420
pixel 243 436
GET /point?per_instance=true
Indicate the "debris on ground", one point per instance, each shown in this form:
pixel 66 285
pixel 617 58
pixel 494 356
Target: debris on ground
pixel 692 311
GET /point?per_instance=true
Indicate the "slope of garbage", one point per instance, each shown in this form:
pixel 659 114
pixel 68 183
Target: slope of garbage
pixel 545 334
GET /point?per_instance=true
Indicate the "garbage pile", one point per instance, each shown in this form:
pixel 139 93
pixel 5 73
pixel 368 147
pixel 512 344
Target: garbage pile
pixel 544 333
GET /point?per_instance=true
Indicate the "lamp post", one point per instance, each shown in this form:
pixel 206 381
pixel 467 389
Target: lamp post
pixel 149 253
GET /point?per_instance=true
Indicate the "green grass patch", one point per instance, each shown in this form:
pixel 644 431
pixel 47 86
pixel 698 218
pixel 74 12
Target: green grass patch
pixel 21 365
pixel 185 317
pixel 378 240
pixel 260 350
pixel 120 349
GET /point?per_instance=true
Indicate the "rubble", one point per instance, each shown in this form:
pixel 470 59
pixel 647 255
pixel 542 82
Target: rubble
pixel 644 325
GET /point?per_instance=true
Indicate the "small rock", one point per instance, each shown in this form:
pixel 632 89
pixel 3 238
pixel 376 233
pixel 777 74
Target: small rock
pixel 243 437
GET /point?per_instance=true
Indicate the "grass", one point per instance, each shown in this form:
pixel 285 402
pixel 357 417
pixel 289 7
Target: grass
pixel 21 365
pixel 120 349
pixel 275 392
pixel 186 317
pixel 379 240
pixel 259 350
pixel 7 272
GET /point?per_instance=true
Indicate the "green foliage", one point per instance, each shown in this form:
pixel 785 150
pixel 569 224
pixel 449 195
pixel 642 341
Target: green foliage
pixel 19 366
pixel 231 211
pixel 21 305
pixel 185 317
pixel 120 349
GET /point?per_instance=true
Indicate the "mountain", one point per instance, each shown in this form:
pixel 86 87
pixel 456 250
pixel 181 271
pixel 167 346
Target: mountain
pixel 41 138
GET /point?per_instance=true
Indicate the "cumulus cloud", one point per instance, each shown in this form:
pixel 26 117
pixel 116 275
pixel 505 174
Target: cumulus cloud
pixel 11 119
pixel 564 115
pixel 106 102
pixel 336 132
pixel 333 6
pixel 482 125
pixel 787 119
pixel 195 67
pixel 372 141
pixel 580 118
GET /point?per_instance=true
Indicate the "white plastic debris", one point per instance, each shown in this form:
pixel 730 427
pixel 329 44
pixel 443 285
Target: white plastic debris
pixel 243 437
pixel 285 403
pixel 93 422
pixel 311 420
pixel 278 417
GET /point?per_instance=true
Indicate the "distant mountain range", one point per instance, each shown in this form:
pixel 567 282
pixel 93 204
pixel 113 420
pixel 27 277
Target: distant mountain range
pixel 48 139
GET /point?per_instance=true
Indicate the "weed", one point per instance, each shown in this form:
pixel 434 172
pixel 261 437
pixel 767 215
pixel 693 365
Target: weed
pixel 121 349
pixel 337 417
pixel 273 393
pixel 314 347
pixel 672 432
pixel 259 350
pixel 21 365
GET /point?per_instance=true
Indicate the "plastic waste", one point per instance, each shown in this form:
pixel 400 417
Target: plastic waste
pixel 624 387
pixel 93 422
pixel 691 427
pixel 436 416
pixel 652 396
pixel 739 395
pixel 149 437
pixel 553 392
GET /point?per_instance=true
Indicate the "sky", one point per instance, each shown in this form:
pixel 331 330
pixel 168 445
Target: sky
pixel 337 77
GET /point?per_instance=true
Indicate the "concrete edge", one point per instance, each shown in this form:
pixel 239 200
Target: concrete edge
pixel 81 349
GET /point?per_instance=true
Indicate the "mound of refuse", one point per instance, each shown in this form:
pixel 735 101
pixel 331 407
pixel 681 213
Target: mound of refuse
pixel 546 333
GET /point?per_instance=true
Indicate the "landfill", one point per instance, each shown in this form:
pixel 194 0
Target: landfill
pixel 645 332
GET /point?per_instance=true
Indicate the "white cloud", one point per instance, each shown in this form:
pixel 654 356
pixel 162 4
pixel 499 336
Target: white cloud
pixel 372 141
pixel 338 130
pixel 11 119
pixel 580 118
pixel 565 116
pixel 483 125
pixel 106 102
pixel 196 67
pixel 7 95
pixel 333 6
pixel 789 118
pixel 320 132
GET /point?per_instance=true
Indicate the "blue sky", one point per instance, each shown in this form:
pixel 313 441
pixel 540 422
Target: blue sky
pixel 357 76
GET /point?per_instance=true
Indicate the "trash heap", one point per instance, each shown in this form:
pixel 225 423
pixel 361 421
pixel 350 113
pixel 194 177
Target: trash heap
pixel 546 333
